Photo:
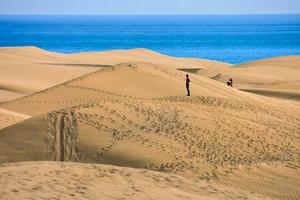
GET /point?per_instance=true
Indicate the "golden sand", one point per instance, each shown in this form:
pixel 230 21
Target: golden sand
pixel 220 143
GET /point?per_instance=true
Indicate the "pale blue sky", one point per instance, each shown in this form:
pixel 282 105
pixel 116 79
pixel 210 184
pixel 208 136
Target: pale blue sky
pixel 147 7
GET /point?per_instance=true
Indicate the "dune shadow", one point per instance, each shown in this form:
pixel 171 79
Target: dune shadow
pixel 290 95
pixel 216 77
pixel 189 70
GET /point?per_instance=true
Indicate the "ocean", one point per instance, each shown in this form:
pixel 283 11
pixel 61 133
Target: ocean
pixel 231 38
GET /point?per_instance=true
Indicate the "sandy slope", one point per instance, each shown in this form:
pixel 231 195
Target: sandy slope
pixel 145 55
pixel 275 77
pixel 25 70
pixel 50 180
pixel 136 115
pixel 8 117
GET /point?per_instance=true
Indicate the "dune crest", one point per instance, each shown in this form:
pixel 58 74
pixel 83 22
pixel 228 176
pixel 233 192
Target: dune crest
pixel 26 70
pixel 277 77
pixel 135 115
pixel 128 109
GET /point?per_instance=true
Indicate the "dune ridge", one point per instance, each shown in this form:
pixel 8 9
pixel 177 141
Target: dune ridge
pixel 26 70
pixel 275 77
pixel 131 123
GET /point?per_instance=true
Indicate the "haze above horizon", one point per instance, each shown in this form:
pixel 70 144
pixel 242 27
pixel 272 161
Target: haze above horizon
pixel 147 7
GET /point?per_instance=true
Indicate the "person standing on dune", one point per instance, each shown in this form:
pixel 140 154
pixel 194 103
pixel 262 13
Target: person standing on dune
pixel 187 83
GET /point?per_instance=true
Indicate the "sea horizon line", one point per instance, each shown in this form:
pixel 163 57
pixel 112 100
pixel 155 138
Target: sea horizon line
pixel 234 14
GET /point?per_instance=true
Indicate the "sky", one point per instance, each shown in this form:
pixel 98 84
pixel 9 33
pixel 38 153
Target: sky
pixel 147 7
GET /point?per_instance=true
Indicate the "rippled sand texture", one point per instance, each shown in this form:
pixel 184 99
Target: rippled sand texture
pixel 220 143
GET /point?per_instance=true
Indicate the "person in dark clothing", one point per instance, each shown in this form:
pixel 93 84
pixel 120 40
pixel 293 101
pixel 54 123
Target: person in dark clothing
pixel 187 83
pixel 230 82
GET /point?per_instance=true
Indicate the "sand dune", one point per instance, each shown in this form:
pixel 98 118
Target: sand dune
pixel 275 77
pixel 274 180
pixel 128 109
pixel 8 117
pixel 50 180
pixel 25 70
pixel 136 115
pixel 22 71
pixel 145 55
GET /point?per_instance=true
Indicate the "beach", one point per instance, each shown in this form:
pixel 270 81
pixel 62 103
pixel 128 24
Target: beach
pixel 118 125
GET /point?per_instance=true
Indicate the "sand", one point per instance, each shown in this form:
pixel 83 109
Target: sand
pixel 8 117
pixel 53 180
pixel 275 77
pixel 134 118
pixel 25 70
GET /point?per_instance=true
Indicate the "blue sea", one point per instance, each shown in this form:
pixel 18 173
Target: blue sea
pixel 231 38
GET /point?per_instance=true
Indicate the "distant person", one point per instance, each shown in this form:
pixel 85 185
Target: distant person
pixel 187 83
pixel 230 82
